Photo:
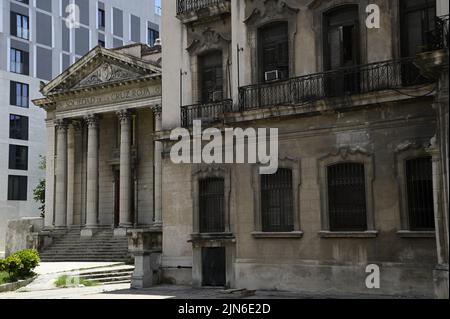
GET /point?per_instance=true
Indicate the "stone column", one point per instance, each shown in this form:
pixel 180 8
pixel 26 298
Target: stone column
pixel 70 174
pixel 61 175
pixel 125 170
pixel 158 169
pixel 92 176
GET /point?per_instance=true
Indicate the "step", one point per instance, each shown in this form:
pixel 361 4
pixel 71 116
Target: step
pixel 107 274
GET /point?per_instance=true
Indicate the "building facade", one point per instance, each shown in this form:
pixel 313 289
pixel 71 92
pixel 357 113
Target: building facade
pixel 39 39
pixel 362 119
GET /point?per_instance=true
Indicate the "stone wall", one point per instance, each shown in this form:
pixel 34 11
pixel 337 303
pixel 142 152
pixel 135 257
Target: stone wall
pixel 22 234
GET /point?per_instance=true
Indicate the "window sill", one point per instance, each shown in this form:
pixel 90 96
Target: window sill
pixel 294 234
pixel 349 234
pixel 416 234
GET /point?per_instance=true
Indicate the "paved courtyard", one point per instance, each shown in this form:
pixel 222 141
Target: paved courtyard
pixel 43 288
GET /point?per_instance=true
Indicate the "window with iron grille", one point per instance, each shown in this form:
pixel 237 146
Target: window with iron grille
pixel 277 202
pixel 211 205
pixel 347 197
pixel 419 187
pixel 274 50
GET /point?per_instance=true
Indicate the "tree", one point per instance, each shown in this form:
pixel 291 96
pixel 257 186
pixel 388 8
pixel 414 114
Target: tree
pixel 39 191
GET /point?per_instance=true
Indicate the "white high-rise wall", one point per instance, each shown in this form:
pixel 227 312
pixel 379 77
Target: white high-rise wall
pixel 52 48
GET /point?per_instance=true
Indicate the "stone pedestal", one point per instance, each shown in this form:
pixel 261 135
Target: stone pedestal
pixel 146 247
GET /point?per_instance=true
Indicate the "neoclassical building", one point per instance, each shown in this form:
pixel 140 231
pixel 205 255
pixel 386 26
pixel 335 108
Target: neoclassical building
pixel 103 173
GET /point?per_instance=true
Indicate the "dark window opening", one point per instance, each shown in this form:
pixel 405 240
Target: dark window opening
pixel 152 36
pixel 211 77
pixel 274 52
pixel 18 127
pixel 18 94
pixel 101 43
pixel 211 205
pixel 277 202
pixel 18 157
pixel 101 18
pixel 418 24
pixel 17 188
pixel 213 266
pixel 341 49
pixel 19 61
pixel 347 197
pixel 419 185
pixel 20 25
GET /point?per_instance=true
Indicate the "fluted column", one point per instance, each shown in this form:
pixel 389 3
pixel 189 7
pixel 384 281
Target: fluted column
pixel 61 175
pixel 70 174
pixel 125 169
pixel 158 169
pixel 92 173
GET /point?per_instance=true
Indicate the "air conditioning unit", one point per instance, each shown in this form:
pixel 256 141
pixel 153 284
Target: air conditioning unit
pixel 217 96
pixel 272 75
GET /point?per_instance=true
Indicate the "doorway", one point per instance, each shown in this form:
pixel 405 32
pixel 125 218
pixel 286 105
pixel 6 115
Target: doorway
pixel 213 267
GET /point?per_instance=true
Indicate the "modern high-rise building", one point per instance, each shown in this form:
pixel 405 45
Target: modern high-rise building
pixel 39 39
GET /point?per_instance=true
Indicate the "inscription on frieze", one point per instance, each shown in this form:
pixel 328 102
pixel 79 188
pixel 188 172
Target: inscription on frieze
pixel 113 97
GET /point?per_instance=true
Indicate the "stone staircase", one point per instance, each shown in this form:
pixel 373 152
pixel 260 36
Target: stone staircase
pixel 102 247
pixel 120 274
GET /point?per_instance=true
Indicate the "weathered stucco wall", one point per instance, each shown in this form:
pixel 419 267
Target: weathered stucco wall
pixel 312 262
pixel 19 234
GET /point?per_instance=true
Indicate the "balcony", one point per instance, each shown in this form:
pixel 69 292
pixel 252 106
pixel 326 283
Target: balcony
pixel 189 11
pixel 297 91
pixel 208 113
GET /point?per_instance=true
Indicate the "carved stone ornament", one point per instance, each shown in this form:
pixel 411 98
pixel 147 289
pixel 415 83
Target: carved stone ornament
pixel 106 72
pixel 207 39
pixel 268 9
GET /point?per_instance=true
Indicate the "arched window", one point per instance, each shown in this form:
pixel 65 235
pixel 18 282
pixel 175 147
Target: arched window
pixel 277 202
pixel 347 197
pixel 211 205
pixel 419 188
pixel 273 51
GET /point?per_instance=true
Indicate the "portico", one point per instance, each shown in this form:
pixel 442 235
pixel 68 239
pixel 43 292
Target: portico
pixel 101 160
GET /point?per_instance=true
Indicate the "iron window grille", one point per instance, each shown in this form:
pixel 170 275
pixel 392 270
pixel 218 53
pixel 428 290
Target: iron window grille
pixel 277 202
pixel 184 6
pixel 419 186
pixel 211 208
pixel 347 197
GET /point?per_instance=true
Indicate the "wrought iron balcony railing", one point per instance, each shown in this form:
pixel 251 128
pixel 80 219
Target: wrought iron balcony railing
pixel 186 6
pixel 392 74
pixel 439 37
pixel 208 113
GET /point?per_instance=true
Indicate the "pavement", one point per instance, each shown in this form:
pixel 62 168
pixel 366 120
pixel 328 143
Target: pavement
pixel 43 288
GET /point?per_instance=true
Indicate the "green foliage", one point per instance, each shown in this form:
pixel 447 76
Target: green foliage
pixel 39 191
pixel 21 264
pixel 66 281
pixel 4 277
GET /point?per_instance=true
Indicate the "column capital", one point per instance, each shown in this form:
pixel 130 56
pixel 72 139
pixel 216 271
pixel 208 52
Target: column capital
pixel 91 120
pixel 61 124
pixel 77 125
pixel 124 115
pixel 157 110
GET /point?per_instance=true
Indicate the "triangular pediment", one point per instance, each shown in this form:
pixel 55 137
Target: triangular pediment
pixel 100 67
